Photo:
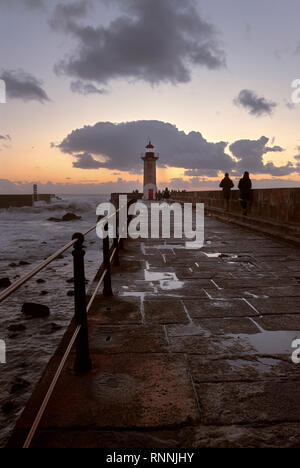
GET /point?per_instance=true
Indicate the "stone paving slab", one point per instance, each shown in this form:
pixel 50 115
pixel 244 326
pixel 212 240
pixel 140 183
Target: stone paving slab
pixel 245 436
pixel 257 402
pixel 280 322
pixel 164 311
pixel 278 305
pixel 247 368
pixel 127 339
pixel 124 391
pixel 116 310
pixel 198 308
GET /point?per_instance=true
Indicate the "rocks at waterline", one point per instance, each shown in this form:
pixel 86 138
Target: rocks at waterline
pixel 19 384
pixel 5 282
pixel 17 328
pixel 44 293
pixel 50 328
pixel 9 407
pixel 65 218
pixel 35 310
pixel 55 327
pixel 70 217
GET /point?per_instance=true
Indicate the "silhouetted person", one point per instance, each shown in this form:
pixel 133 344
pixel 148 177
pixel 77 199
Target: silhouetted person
pixel 227 184
pixel 245 186
pixel 166 194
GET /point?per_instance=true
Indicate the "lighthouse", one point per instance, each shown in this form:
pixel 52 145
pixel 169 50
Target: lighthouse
pixel 150 159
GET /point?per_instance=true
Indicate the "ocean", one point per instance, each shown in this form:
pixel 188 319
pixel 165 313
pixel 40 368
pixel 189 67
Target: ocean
pixel 27 238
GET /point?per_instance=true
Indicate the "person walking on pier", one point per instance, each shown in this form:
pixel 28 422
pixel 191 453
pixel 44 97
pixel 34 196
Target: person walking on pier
pixel 245 187
pixel 227 184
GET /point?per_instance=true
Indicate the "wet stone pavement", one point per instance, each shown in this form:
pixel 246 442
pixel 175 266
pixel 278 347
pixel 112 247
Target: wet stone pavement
pixel 193 350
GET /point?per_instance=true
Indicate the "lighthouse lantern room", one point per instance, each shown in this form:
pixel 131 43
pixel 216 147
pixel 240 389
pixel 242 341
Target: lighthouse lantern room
pixel 150 158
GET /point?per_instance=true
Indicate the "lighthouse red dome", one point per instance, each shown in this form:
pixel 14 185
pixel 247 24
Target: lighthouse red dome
pixel 150 146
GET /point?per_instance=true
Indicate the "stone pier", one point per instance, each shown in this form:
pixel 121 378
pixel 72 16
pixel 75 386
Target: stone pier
pixel 193 350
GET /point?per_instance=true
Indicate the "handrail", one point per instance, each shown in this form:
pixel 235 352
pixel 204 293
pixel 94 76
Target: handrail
pixel 51 388
pixel 80 334
pixel 17 285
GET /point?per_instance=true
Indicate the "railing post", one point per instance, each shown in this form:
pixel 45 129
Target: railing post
pixel 82 361
pixel 116 243
pixel 107 291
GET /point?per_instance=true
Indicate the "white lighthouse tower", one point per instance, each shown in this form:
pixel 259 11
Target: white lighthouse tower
pixel 150 158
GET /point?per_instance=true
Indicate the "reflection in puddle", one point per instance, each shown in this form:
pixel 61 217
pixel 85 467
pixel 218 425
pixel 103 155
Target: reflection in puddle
pixel 167 280
pixel 168 285
pixel 159 276
pixel 270 342
pixel 212 255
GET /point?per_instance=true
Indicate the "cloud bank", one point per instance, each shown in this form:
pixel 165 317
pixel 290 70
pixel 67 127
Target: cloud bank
pixel 118 147
pixel 120 185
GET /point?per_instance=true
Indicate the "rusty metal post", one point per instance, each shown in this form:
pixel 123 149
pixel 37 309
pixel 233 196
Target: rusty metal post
pixel 82 361
pixel 107 291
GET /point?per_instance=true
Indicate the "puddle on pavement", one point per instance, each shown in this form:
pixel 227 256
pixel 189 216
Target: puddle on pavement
pixel 270 342
pixel 212 255
pixel 228 256
pixel 160 276
pixel 167 280
pixel 167 285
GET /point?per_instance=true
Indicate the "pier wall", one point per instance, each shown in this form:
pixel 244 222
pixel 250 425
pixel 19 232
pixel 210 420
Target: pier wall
pixel 272 211
pixel 282 204
pixel 7 201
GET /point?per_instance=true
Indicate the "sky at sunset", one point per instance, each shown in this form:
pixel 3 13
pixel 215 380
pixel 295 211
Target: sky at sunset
pixel 89 81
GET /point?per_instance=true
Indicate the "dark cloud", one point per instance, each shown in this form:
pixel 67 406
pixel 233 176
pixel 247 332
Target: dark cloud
pixel 117 146
pixel 254 104
pixel 249 154
pixel 22 85
pixel 151 41
pixel 65 15
pixel 86 161
pixel 199 172
pixel 33 4
pixel 192 184
pixel 5 137
pixel 81 87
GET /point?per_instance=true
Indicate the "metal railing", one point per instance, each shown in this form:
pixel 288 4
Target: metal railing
pixel 79 336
